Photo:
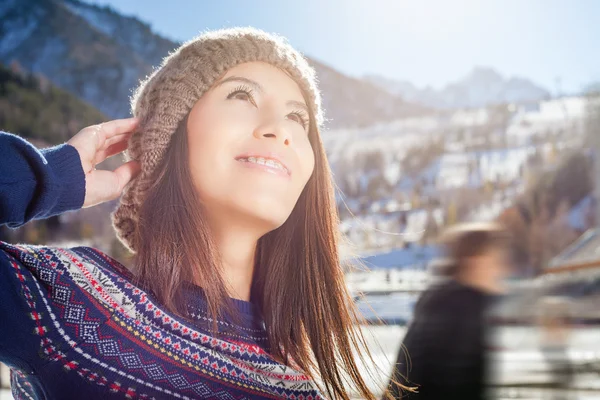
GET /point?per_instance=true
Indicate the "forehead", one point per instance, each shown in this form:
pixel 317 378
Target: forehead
pixel 272 80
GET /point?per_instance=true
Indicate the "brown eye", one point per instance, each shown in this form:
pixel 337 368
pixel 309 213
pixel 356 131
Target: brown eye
pixel 300 118
pixel 241 93
pixel 240 96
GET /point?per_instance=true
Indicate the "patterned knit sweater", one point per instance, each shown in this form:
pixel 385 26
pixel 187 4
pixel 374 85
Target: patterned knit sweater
pixel 73 326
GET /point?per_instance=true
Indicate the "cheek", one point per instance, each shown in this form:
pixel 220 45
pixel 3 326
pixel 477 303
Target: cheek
pixel 309 167
pixel 200 148
pixel 207 140
pixel 212 129
pixel 307 162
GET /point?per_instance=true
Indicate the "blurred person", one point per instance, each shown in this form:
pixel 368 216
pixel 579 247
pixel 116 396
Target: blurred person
pixel 555 332
pixel 443 351
pixel 236 289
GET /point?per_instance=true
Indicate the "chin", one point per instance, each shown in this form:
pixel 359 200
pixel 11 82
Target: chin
pixel 271 223
pixel 269 218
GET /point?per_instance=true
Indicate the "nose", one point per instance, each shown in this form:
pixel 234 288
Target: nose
pixel 273 130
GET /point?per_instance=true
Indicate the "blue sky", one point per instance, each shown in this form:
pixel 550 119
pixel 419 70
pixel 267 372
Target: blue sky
pixel 427 42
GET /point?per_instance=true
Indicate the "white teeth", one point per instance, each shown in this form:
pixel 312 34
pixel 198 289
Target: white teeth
pixel 263 161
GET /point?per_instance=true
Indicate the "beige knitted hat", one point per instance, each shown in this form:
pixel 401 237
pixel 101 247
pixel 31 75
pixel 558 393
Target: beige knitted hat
pixel 167 96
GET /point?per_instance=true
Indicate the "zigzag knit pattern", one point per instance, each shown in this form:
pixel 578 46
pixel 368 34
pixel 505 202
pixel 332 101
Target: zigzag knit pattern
pixel 99 328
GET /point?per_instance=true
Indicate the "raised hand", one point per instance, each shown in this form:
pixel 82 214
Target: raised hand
pixel 95 144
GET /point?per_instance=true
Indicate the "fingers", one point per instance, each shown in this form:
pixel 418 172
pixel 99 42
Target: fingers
pixel 103 186
pixel 117 127
pixel 94 139
pixel 125 173
pixel 116 139
pixel 112 150
pixel 113 136
pixel 108 132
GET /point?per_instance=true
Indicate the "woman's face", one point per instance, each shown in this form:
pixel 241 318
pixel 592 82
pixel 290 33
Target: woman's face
pixel 249 149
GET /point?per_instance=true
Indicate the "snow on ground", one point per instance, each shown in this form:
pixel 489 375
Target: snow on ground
pixel 411 258
pixel 454 170
pixel 548 116
pixel 397 308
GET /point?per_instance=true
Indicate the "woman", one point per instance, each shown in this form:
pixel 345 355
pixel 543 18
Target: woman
pixel 236 290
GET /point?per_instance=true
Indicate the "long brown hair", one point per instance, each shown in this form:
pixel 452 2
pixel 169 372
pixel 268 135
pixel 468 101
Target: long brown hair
pixel 298 282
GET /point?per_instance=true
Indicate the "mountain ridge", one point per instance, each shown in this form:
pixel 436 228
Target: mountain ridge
pixel 481 87
pixel 100 55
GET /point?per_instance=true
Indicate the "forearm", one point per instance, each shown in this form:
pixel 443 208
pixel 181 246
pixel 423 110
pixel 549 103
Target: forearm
pixel 37 184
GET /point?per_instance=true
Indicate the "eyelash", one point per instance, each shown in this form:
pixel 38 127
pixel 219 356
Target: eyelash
pixel 242 89
pixel 301 114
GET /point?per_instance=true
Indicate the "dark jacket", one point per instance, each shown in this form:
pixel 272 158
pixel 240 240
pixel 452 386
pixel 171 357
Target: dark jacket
pixel 443 350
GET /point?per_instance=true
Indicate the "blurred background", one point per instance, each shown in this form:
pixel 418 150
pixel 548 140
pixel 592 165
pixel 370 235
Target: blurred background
pixel 439 112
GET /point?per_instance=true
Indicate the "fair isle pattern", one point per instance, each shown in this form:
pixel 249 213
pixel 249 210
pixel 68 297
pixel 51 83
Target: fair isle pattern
pixel 108 327
pixel 24 388
pixel 95 257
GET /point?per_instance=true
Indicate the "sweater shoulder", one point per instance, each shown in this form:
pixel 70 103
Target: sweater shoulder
pixel 57 271
pixel 54 294
pixel 33 255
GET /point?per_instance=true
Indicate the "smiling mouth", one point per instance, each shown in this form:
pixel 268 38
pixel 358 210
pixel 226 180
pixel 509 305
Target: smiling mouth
pixel 267 162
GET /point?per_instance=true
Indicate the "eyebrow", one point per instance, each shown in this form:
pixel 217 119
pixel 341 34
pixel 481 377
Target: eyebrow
pixel 241 79
pixel 298 104
pixel 255 85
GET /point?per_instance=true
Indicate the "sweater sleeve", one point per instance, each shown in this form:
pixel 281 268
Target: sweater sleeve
pixel 34 184
pixel 18 343
pixel 37 184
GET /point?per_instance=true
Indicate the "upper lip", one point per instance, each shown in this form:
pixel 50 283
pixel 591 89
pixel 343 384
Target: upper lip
pixel 267 156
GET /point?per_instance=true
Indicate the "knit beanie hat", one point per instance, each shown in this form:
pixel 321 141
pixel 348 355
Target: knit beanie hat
pixel 164 98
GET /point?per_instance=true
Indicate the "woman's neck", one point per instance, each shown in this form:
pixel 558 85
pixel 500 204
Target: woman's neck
pixel 237 252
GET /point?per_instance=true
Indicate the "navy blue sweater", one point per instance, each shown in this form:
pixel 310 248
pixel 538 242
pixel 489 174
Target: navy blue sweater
pixel 37 184
pixel 74 326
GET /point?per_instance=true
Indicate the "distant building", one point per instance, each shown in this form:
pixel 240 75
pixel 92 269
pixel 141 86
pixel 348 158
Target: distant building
pixel 584 253
pixel 413 257
pixel 400 270
pixel 387 290
pixel 573 275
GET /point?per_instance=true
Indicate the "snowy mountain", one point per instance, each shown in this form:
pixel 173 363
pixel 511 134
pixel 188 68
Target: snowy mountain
pixel 49 39
pixel 481 87
pixel 401 182
pixel 350 99
pixel 100 55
